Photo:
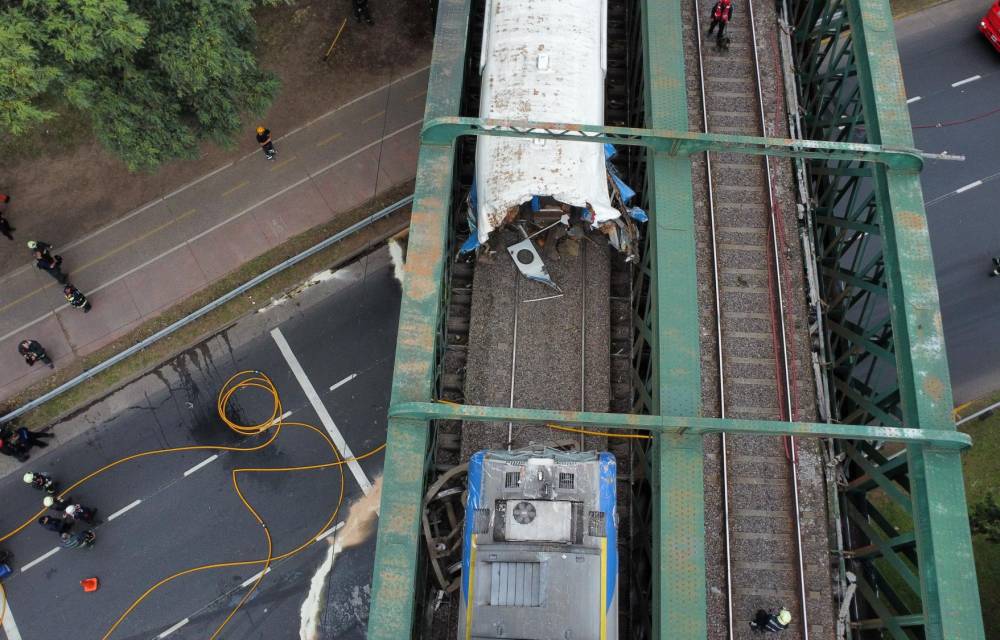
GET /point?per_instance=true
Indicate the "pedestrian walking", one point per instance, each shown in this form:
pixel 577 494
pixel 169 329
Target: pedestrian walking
pixel 38 245
pixel 80 512
pixel 56 503
pixel 41 481
pixel 996 267
pixel 12 448
pixel 81 539
pixel 362 12
pixel 721 14
pixel 32 351
pixel 5 227
pixel 771 622
pixel 264 140
pixel 51 265
pixel 58 525
pixel 28 438
pixel 75 298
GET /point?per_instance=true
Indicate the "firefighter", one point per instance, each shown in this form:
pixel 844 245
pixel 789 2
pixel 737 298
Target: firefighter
pixel 76 299
pixel 721 14
pixel 996 267
pixel 771 622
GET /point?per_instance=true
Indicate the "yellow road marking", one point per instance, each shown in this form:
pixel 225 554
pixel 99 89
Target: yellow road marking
pixel 417 95
pixel 283 163
pixel 24 297
pixel 373 116
pixel 329 140
pixel 131 242
pixel 239 186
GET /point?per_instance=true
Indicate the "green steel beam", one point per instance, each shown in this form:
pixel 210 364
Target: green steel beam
pixel 947 573
pixel 944 438
pixel 679 584
pixel 395 580
pixel 673 142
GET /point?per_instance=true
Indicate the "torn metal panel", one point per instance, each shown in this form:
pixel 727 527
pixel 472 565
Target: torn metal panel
pixel 529 263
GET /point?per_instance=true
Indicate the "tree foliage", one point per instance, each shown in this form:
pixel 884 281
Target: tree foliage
pixel 984 518
pixel 155 76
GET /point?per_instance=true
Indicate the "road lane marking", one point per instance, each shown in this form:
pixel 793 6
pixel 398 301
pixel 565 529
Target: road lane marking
pixel 344 381
pixel 966 81
pixel 971 185
pixel 131 242
pixel 329 532
pixel 320 408
pixel 282 417
pixel 249 581
pixel 204 233
pixel 283 163
pixel 201 464
pixel 45 556
pixel 417 95
pixel 330 139
pixel 373 116
pixel 914 99
pixel 124 509
pixel 173 628
pixel 239 186
pixel 9 625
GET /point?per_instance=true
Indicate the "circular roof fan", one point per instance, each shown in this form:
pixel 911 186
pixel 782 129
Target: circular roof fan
pixel 524 512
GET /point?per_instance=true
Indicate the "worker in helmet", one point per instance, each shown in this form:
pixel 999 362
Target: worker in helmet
pixel 771 621
pixel 264 140
pixel 722 13
pixel 41 481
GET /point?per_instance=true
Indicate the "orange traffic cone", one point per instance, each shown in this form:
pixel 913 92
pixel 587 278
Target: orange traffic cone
pixel 89 585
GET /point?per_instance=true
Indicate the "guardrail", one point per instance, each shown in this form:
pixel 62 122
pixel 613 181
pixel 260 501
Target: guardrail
pixel 208 308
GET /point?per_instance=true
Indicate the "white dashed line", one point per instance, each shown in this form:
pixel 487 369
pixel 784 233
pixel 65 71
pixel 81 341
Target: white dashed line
pixel 966 81
pixel 283 417
pixel 40 558
pixel 971 185
pixel 249 581
pixel 329 532
pixel 201 464
pixel 173 628
pixel 320 409
pixel 9 626
pixel 121 511
pixel 344 381
pixel 914 99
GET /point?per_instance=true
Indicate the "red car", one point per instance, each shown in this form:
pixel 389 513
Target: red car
pixel 990 25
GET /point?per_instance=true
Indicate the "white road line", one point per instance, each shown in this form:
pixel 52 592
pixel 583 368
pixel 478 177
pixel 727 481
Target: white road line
pixel 320 408
pixel 249 581
pixel 914 99
pixel 45 556
pixel 971 185
pixel 124 509
pixel 9 625
pixel 283 417
pixel 344 381
pixel 966 81
pixel 173 628
pixel 329 531
pixel 201 464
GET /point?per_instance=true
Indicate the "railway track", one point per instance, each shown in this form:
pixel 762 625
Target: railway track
pixel 762 542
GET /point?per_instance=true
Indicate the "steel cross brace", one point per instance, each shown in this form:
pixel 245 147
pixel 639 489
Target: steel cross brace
pixel 939 438
pixel 444 131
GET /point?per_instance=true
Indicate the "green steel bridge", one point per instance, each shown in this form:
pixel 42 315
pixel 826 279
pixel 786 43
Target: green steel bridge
pixel 887 371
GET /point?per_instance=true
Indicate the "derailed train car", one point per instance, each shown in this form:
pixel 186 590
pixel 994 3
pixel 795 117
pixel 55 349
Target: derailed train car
pixel 540 557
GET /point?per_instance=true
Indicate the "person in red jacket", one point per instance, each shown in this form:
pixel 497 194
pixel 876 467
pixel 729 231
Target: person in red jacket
pixel 722 13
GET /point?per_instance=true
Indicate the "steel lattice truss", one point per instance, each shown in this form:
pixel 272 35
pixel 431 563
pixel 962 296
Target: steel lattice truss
pixel 901 500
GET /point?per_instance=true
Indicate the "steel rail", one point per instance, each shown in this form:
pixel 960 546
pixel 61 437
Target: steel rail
pixel 211 306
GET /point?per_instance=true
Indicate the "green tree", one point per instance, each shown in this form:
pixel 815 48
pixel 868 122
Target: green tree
pixel 155 76
pixel 984 518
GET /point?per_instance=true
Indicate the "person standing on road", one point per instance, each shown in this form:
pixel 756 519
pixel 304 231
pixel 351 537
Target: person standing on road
pixel 264 140
pixel 722 13
pixel 13 449
pixel 50 264
pixel 76 299
pixel 38 245
pixel 996 267
pixel 58 525
pixel 5 227
pixel 362 12
pixel 77 540
pixel 771 622
pixel 28 438
pixel 32 351
pixel 80 512
pixel 41 481
pixel 56 503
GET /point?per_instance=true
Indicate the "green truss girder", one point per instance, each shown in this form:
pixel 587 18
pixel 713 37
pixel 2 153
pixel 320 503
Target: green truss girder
pixel 445 130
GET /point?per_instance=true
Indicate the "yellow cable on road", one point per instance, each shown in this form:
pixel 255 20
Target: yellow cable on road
pixel 242 380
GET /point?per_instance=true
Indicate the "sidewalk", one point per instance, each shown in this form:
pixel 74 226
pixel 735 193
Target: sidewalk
pixel 171 247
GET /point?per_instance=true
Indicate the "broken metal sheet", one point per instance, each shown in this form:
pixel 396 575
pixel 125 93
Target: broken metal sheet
pixel 529 263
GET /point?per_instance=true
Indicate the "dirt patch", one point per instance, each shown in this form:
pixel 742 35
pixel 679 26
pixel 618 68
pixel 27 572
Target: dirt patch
pixel 65 185
pixel 901 8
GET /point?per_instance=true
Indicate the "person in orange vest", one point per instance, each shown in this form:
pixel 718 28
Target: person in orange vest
pixel 722 13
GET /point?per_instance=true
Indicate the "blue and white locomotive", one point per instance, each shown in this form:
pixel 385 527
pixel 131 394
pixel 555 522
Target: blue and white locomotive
pixel 540 558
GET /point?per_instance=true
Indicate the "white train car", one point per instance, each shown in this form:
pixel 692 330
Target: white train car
pixel 543 61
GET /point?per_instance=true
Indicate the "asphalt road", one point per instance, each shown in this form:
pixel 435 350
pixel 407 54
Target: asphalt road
pixel 953 74
pixel 342 333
